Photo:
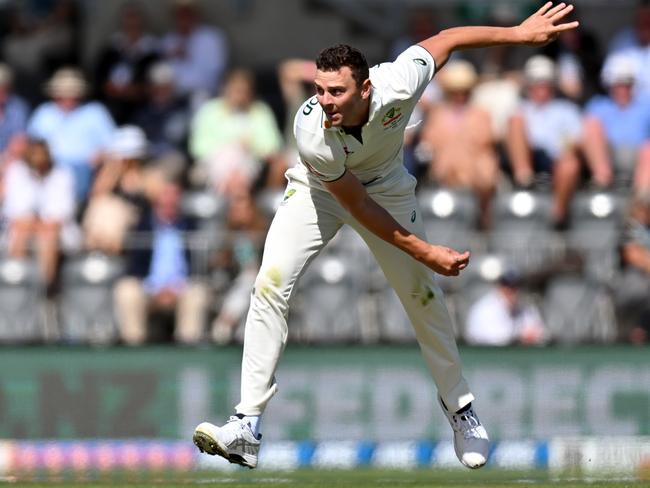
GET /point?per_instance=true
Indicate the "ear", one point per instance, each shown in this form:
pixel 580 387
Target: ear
pixel 366 87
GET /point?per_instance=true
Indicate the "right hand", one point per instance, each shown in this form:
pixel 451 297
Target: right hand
pixel 444 260
pixel 544 25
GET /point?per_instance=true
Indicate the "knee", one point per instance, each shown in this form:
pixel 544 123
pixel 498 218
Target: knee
pixel 271 287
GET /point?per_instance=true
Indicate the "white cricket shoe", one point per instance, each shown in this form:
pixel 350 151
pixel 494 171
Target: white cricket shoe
pixel 234 441
pixel 471 441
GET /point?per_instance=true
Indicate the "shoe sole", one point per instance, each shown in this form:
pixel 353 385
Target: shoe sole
pixel 209 445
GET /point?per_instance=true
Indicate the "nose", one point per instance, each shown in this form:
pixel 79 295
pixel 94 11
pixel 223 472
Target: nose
pixel 325 99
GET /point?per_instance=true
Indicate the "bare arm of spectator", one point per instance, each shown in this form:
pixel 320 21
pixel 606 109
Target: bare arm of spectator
pixel 292 75
pixel 107 178
pixel 637 256
pixel 594 147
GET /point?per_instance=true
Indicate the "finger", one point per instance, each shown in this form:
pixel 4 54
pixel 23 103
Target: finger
pixel 544 8
pixel 554 10
pixel 566 27
pixel 561 14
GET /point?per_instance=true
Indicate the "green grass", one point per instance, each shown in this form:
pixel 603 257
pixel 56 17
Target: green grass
pixel 360 478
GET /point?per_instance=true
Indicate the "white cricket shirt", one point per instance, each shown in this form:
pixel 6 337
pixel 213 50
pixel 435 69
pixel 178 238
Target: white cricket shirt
pixel 325 153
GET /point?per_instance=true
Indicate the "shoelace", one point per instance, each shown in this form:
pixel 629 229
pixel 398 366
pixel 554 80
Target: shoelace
pixel 466 423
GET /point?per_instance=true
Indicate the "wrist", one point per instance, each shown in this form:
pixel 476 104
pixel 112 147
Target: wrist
pixel 518 35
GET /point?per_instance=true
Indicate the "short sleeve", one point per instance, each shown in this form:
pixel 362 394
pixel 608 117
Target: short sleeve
pixel 409 74
pixel 319 149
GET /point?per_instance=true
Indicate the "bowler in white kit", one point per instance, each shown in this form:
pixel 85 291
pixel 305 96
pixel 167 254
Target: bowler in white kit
pixel 349 139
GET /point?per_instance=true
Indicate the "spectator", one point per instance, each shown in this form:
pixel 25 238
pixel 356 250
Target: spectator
pixel 459 136
pixel 119 195
pixel 234 135
pixel 165 118
pixel 159 275
pixel 13 111
pixel 197 52
pixel 43 35
pixel 543 136
pixel 617 129
pixel 123 64
pixel 76 132
pixel 631 293
pixel 39 201
pixel 246 227
pixel 635 42
pixel 502 317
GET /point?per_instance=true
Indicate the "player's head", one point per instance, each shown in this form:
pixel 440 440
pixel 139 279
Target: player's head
pixel 343 85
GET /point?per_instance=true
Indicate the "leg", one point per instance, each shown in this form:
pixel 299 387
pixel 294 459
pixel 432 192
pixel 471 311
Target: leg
pixel 519 151
pixel 304 223
pixel 48 249
pixel 131 310
pixel 424 303
pixel 642 172
pixel 20 232
pixel 191 312
pixel 566 172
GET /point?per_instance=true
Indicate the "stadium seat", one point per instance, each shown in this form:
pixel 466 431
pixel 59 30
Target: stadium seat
pixel 595 232
pixel 22 301
pixel 449 216
pixel 86 302
pixel 329 297
pixel 521 229
pixel 578 311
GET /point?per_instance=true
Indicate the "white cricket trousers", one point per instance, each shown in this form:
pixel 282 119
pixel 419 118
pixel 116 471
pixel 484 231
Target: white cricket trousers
pixel 304 223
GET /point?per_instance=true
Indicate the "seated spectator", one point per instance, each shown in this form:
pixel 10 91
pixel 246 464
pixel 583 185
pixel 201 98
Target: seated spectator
pixel 39 201
pixel 197 52
pixel 635 42
pixel 502 317
pixel 76 132
pixel 233 136
pixel 543 137
pixel 158 276
pixel 633 290
pixel 617 129
pixel 165 117
pixel 41 36
pixel 13 111
pixel 119 192
pixel 122 67
pixel 459 137
pixel 246 226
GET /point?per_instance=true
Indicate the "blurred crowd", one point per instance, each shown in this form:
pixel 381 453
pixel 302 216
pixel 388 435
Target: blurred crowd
pixel 136 192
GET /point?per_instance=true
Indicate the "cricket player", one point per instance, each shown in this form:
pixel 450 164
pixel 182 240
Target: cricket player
pixel 349 138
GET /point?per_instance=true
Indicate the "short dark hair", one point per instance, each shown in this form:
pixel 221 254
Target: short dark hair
pixel 335 57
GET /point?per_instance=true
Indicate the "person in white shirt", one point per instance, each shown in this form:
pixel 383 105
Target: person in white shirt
pixel 349 138
pixel 502 317
pixel 38 201
pixel 543 136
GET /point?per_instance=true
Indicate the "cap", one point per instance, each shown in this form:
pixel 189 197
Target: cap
pixel 619 68
pixel 539 69
pixel 67 82
pixel 129 142
pixel 458 75
pixel 510 278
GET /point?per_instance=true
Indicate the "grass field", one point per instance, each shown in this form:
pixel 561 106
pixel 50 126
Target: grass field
pixel 361 478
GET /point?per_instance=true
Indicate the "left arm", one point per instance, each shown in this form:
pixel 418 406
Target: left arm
pixel 537 30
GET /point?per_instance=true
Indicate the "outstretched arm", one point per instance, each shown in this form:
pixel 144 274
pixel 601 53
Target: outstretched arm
pixel 350 193
pixel 537 30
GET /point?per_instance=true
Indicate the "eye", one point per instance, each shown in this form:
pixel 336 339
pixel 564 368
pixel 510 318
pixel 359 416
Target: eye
pixel 319 90
pixel 336 92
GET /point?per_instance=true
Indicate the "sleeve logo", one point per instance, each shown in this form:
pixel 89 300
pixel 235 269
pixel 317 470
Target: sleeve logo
pixel 392 118
pixel 420 61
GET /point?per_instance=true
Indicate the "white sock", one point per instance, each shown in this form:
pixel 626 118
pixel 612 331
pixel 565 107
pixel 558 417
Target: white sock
pixel 255 421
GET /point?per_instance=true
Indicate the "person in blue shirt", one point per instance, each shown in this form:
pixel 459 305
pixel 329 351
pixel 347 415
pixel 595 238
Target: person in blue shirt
pixel 13 111
pixel 158 274
pixel 76 132
pixel 617 128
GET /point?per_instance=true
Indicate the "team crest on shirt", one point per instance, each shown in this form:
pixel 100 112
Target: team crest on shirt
pixel 392 118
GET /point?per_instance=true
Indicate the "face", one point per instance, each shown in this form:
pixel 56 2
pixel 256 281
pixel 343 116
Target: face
pixel 458 97
pixel 38 157
pixel 540 91
pixel 67 103
pixel 167 202
pixel 344 102
pixel 621 93
pixel 238 92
